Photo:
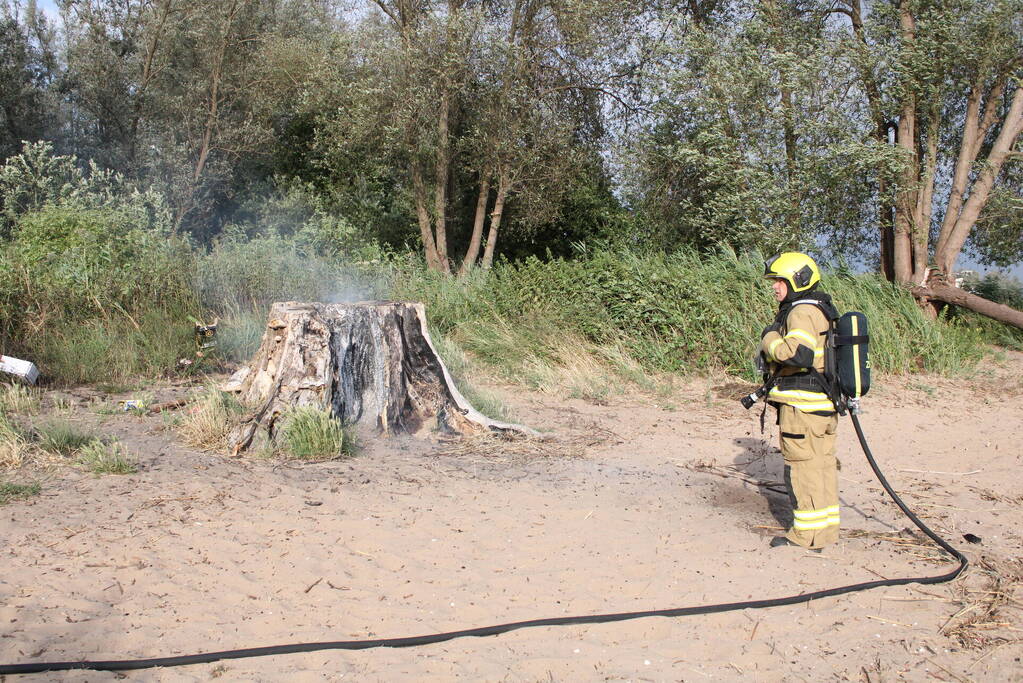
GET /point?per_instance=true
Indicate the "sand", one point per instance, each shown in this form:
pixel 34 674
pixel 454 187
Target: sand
pixel 645 503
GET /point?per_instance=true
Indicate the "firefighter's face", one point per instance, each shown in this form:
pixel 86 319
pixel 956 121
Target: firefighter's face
pixel 780 288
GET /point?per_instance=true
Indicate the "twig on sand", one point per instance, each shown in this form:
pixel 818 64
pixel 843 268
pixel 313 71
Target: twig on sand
pixel 943 598
pixel 990 652
pixel 889 621
pixel 880 576
pixel 968 608
pixel 951 474
pixel 732 473
pixel 950 673
pixel 313 585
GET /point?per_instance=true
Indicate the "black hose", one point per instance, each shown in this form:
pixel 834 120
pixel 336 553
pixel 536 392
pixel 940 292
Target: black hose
pixel 122 665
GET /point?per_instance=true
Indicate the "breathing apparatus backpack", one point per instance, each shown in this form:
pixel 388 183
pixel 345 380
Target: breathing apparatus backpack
pixel 846 376
pixel 849 341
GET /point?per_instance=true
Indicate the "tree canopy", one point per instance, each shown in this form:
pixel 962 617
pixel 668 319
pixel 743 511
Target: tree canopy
pixel 885 133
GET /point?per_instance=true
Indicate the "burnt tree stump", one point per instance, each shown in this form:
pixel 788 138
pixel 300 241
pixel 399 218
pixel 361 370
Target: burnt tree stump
pixel 371 364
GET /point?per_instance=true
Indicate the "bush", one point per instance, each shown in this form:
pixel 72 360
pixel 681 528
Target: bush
pixel 92 294
pixel 296 212
pixel 37 178
pixel 84 262
pixel 241 273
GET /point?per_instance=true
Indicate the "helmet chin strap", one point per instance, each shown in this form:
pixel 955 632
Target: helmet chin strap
pixel 793 294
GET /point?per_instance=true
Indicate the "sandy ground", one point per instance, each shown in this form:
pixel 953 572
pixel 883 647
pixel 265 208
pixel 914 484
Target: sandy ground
pixel 634 506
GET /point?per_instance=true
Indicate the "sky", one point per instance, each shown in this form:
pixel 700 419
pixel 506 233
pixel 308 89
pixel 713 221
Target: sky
pixel 48 6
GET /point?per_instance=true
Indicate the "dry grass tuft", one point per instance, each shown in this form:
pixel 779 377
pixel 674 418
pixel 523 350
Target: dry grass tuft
pixel 988 494
pixel 15 449
pixel 62 439
pixel 18 398
pixel 988 596
pixel 908 541
pixel 574 367
pixel 209 419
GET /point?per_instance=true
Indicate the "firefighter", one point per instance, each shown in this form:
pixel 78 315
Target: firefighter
pixel 792 345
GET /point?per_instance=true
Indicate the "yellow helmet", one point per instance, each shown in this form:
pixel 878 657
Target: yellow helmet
pixel 797 269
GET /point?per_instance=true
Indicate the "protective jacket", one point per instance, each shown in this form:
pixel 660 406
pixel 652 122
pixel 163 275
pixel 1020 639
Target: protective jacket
pixel 795 343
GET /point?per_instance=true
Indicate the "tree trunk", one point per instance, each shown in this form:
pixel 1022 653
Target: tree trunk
pixel 925 198
pixel 423 215
pixel 473 252
pixel 777 40
pixel 149 72
pixel 906 230
pixel 495 223
pixel 440 190
pixel 886 221
pixel 212 114
pixel 905 202
pixel 370 364
pixel 951 242
pixel 886 218
pixel 939 291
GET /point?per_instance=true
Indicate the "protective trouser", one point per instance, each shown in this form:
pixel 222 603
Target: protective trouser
pixel 811 474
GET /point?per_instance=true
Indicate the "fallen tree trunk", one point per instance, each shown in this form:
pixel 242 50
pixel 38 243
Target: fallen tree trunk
pixel 937 291
pixel 369 364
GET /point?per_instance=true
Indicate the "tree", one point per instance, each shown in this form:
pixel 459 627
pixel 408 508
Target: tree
pixel 947 78
pixel 28 67
pixel 185 93
pixel 752 142
pixel 495 96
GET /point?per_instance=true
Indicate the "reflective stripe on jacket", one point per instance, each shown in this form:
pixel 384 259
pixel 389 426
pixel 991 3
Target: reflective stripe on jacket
pixel 798 346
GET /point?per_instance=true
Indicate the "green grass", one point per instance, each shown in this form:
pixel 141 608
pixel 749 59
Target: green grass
pixel 589 327
pixel 461 369
pixel 311 433
pixel 62 438
pixel 640 315
pixel 113 352
pixel 106 458
pixel 239 334
pixel 10 491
